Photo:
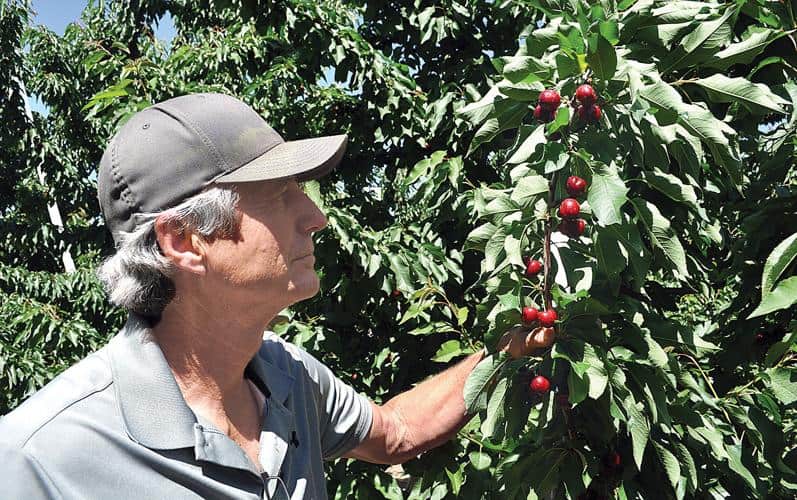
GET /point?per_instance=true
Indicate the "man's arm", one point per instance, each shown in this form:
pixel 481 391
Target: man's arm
pixel 432 412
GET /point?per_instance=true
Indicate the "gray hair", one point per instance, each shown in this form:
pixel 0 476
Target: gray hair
pixel 138 276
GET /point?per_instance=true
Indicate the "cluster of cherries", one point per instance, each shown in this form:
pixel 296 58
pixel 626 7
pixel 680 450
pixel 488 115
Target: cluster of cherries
pixel 569 209
pixel 586 109
pixel 572 226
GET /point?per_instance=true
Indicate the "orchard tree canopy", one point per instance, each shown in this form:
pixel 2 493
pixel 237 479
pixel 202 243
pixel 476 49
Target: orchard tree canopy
pixel 674 372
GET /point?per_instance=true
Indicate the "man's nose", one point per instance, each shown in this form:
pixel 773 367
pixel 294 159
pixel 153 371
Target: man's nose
pixel 315 220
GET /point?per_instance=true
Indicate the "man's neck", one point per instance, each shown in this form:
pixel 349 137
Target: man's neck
pixel 207 352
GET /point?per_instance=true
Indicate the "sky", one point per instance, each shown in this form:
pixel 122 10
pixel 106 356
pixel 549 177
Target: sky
pixel 57 14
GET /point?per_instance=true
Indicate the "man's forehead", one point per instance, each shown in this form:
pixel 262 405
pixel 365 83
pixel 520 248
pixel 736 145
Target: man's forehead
pixel 266 187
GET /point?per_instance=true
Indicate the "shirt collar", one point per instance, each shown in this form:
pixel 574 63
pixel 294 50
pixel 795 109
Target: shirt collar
pixel 153 409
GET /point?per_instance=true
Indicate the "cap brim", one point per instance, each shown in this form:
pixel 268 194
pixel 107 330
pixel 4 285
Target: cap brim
pixel 305 159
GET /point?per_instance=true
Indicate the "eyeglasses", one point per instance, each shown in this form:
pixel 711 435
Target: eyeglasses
pixel 281 488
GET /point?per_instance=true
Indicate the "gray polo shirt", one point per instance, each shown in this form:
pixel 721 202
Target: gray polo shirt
pixel 115 425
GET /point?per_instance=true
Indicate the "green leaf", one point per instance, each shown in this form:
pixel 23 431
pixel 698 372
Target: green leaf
pixel 700 123
pixel 478 238
pixel 783 384
pixel 495 408
pixel 669 462
pixel 745 51
pixel 519 68
pixel 777 262
pixel 529 146
pixel 478 380
pixel 609 253
pixel 601 57
pixel 661 234
pixel 707 35
pixel 639 428
pixel 672 186
pixel 736 465
pixel 607 195
pixel 784 295
pixel 685 458
pixel 449 350
pixel 528 189
pixel 756 97
pixel 508 114
pixel 526 91
pixel 480 461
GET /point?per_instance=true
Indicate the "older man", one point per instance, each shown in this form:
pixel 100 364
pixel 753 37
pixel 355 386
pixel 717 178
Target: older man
pixel 191 399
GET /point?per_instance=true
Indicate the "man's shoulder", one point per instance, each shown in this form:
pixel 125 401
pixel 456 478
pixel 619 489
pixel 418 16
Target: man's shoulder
pixel 289 357
pixel 47 407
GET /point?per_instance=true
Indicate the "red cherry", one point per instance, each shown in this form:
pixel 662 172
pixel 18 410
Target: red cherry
pixel 572 227
pixel 550 100
pixel 596 113
pixel 760 338
pixel 396 293
pixel 547 317
pixel 538 112
pixel 533 267
pixel 530 315
pixel 569 208
pixel 540 385
pixel 576 186
pixel 586 94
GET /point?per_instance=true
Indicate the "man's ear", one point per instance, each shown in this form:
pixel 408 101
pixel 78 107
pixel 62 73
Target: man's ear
pixel 182 247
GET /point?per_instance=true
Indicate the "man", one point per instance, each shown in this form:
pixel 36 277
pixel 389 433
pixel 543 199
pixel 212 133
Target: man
pixel 190 399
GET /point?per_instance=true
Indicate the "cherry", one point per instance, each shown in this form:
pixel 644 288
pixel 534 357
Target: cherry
pixel 576 186
pixel 547 317
pixel 569 208
pixel 396 293
pixel 529 314
pixel 540 385
pixel 586 94
pixel 760 338
pixel 586 113
pixel 538 112
pixel 550 100
pixel 533 267
pixel 573 227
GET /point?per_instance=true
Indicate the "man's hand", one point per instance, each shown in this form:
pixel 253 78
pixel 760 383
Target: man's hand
pixel 519 341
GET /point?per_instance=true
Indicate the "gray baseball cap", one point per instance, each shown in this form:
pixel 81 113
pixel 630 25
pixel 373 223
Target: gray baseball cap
pixel 174 149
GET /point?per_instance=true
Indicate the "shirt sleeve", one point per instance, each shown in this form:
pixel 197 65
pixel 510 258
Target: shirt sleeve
pixel 24 477
pixel 344 415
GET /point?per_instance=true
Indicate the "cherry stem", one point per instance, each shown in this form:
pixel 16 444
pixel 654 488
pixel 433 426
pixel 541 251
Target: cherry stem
pixel 547 249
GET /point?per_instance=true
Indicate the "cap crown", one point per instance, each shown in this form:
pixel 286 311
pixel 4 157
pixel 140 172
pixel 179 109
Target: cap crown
pixel 172 150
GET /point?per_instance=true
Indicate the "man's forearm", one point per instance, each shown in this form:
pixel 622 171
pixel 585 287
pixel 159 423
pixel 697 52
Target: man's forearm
pixel 432 412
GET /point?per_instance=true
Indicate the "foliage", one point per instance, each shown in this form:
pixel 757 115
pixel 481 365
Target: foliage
pixel 447 185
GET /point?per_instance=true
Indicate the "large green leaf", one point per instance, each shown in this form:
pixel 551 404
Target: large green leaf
pixel 528 146
pixel 670 464
pixel 528 189
pixel 783 384
pixel 477 383
pixel 784 295
pixel 754 96
pixel 673 187
pixel 707 36
pixel 602 57
pixel 607 195
pixel 661 234
pixel 639 429
pixel 495 408
pixel 777 262
pixel 698 121
pixel 745 51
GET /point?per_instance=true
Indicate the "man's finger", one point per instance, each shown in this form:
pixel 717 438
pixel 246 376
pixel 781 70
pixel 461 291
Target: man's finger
pixel 539 338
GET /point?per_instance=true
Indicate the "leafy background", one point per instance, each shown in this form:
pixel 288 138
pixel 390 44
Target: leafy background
pixel 677 332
